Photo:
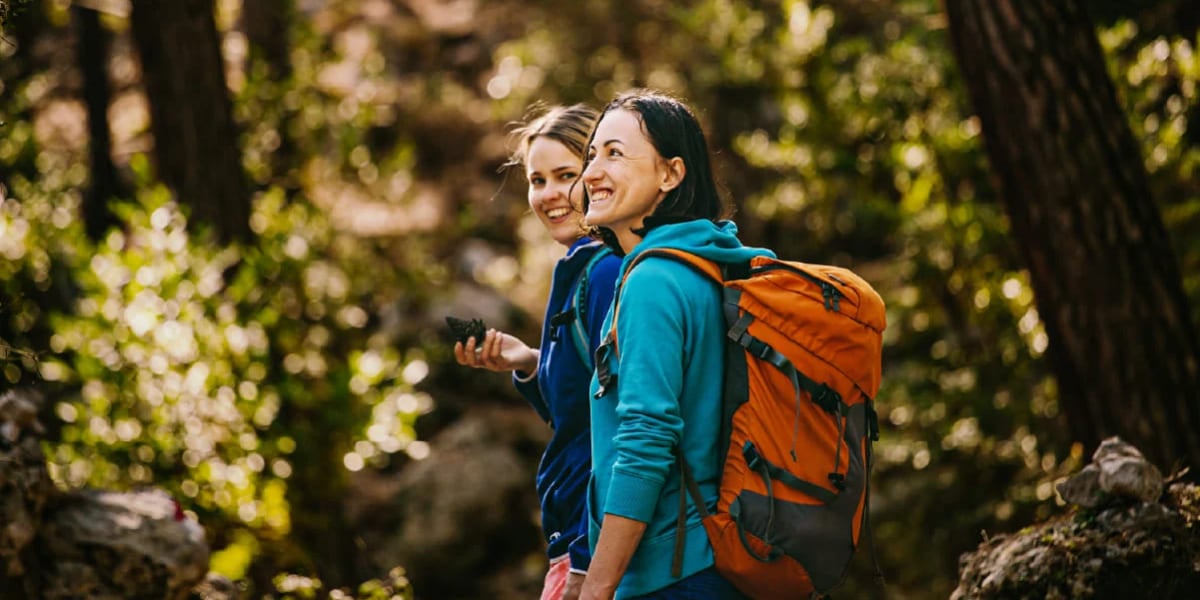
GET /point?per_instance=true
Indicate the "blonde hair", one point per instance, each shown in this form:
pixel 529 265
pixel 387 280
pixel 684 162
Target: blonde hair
pixel 570 126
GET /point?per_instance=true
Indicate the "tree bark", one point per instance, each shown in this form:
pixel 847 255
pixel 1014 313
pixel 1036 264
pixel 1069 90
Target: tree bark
pixel 92 54
pixel 265 23
pixel 1108 288
pixel 196 148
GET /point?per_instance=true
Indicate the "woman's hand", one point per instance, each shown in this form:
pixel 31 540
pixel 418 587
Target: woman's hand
pixel 573 587
pixel 619 538
pixel 497 352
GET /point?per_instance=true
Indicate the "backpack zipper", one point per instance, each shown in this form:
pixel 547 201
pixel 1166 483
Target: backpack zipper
pixel 832 295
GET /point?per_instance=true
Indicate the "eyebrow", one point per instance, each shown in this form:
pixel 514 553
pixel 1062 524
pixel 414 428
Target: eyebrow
pixel 558 169
pixel 607 142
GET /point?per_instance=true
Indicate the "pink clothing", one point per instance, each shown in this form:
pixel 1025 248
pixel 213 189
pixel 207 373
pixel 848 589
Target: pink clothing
pixel 556 578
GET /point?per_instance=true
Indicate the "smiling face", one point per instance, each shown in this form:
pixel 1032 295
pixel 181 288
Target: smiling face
pixel 626 177
pixel 552 171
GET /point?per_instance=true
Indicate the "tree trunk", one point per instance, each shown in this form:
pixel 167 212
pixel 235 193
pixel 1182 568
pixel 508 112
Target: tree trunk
pixel 1108 288
pixel 265 23
pixel 195 140
pixel 92 54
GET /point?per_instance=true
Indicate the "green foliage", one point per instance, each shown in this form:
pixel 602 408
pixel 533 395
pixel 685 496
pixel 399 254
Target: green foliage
pixel 394 586
pixel 9 9
pixel 229 374
pixel 185 355
pixel 1159 82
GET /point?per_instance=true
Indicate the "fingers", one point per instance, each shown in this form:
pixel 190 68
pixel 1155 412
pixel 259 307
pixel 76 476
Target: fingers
pixel 490 355
pixel 468 354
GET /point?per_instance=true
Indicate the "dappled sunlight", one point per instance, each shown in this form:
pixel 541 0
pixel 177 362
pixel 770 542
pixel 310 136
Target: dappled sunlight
pixel 250 379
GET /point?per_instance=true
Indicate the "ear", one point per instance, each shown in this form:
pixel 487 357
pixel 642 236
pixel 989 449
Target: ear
pixel 673 174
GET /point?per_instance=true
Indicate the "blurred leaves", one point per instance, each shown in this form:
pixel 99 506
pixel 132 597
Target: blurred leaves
pixel 840 130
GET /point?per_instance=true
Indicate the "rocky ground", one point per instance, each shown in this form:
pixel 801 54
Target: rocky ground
pixel 1125 538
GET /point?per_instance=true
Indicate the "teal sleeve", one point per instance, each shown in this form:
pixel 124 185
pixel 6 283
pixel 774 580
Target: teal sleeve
pixel 651 337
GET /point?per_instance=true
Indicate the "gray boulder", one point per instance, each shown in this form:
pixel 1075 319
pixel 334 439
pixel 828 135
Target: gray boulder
pixel 1126 540
pixel 85 543
pixel 1118 472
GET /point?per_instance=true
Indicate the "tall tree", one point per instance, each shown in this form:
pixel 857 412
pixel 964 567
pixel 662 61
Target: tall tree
pixel 265 23
pixel 195 139
pixel 92 55
pixel 1109 292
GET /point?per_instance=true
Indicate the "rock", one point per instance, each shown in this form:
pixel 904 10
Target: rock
pixel 1125 473
pixel 471 500
pixel 122 545
pixel 1126 544
pixel 1082 488
pixel 1118 472
pixel 18 412
pixel 215 587
pixel 25 485
pixel 85 544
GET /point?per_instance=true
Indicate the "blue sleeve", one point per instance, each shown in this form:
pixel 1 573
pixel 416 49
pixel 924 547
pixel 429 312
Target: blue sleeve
pixel 533 393
pixel 581 555
pixel 652 332
pixel 602 282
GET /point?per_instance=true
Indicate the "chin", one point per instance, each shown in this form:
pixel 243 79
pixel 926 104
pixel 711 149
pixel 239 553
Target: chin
pixel 593 221
pixel 566 238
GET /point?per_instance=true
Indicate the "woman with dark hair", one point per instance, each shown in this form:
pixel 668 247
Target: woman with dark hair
pixel 554 378
pixel 649 185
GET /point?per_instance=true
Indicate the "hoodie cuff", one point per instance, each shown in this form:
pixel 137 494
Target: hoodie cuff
pixel 581 555
pixel 530 390
pixel 632 496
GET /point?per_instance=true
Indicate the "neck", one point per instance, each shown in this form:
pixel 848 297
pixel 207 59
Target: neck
pixel 628 239
pixel 571 243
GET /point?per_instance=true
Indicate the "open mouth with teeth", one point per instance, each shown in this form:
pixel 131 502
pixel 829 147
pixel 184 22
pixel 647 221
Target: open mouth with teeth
pixel 599 195
pixel 555 214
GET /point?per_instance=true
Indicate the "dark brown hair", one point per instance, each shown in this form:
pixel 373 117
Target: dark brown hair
pixel 675 132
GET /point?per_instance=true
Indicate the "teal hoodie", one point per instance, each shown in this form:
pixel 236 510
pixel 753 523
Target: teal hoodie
pixel 667 394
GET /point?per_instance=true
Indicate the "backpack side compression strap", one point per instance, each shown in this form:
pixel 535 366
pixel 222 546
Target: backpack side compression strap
pixel 579 329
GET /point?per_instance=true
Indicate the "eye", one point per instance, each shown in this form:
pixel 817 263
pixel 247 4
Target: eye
pixel 567 176
pixel 536 180
pixel 614 151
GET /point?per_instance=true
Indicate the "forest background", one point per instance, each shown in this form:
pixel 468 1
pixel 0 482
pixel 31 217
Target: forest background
pixel 230 230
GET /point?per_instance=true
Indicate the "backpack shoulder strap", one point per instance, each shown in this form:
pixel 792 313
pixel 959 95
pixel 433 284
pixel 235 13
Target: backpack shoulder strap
pixel 579 325
pixel 705 267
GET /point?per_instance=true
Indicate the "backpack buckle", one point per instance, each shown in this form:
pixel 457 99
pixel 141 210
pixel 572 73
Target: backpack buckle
pixel 838 480
pixel 604 373
pixel 828 399
pixel 750 453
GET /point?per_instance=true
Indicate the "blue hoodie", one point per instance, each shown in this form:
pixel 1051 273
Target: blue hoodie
pixel 667 394
pixel 559 394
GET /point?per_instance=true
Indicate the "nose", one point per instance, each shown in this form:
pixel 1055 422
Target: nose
pixel 558 190
pixel 591 172
pixel 545 193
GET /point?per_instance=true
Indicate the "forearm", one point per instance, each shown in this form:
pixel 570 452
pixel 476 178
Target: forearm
pixel 526 366
pixel 619 538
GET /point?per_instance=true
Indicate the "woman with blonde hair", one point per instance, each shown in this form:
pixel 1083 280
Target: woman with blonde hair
pixel 554 377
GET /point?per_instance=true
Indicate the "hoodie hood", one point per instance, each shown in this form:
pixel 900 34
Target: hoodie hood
pixel 715 241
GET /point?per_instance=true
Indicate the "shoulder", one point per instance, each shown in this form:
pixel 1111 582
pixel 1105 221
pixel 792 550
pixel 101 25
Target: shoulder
pixel 663 269
pixel 605 269
pixel 656 278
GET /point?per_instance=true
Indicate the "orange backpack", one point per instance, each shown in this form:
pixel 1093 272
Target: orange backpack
pixel 802 365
